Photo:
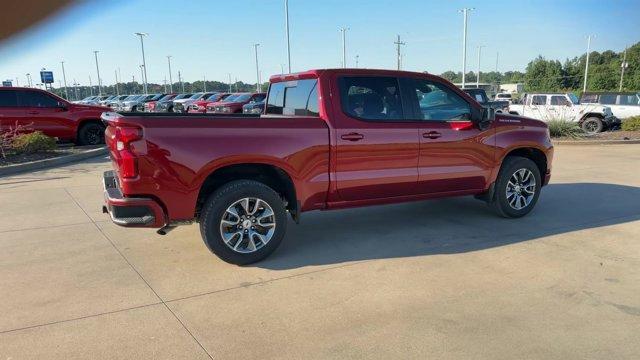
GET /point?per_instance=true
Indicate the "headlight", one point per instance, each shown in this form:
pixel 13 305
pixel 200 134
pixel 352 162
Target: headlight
pixel 226 109
pixel 257 110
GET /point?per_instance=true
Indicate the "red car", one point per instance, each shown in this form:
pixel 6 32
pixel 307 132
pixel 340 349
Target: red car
pixel 200 106
pixel 41 110
pixel 329 139
pixel 149 106
pixel 234 103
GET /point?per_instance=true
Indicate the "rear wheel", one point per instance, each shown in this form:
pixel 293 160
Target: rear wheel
pixel 592 125
pixel 91 133
pixel 243 222
pixel 517 187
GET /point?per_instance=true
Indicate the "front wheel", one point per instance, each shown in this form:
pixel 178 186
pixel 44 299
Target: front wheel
pixel 243 222
pixel 90 134
pixel 592 125
pixel 517 187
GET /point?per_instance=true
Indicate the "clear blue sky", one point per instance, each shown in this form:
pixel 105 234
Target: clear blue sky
pixel 213 38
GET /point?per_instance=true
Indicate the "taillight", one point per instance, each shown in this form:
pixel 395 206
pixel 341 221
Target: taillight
pixel 127 160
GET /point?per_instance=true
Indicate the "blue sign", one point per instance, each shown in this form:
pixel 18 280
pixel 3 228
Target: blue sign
pixel 7 83
pixel 46 77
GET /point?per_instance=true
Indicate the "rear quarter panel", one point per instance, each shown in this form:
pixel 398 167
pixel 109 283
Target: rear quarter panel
pixel 178 153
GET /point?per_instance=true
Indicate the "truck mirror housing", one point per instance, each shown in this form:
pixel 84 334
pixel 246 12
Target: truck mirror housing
pixel 488 115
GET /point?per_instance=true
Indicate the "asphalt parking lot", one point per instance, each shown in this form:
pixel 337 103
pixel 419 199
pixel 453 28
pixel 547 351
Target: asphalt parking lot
pixel 440 279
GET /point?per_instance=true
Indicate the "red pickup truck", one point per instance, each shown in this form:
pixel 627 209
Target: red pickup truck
pixel 43 111
pixel 329 139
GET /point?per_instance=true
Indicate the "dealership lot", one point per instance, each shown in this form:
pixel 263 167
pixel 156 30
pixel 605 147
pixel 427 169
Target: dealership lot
pixel 439 279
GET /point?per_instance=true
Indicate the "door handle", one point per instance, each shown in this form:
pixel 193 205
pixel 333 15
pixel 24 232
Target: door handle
pixel 431 135
pixel 352 137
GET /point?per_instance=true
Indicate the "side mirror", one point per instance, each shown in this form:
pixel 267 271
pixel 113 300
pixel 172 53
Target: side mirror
pixel 488 116
pixel 62 106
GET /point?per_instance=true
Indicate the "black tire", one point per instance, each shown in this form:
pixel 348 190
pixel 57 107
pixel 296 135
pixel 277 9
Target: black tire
pixel 91 133
pixel 215 209
pixel 592 125
pixel 501 201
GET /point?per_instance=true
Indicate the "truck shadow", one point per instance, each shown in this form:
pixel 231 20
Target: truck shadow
pixel 448 226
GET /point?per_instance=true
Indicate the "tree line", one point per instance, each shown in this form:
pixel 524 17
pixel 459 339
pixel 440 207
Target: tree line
pixel 552 75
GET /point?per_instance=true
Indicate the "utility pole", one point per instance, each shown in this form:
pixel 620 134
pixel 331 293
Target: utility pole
pixel 357 60
pixel 170 78
pixel 117 89
pixel 398 44
pixel 586 66
pixel 623 66
pixel 64 76
pixel 465 12
pixel 144 64
pixel 180 81
pixel 478 77
pixel 344 46
pixel 229 81
pixel 258 87
pixel 95 52
pixel 286 12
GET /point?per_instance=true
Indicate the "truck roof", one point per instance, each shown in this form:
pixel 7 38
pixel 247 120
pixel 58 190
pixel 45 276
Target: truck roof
pixel 315 73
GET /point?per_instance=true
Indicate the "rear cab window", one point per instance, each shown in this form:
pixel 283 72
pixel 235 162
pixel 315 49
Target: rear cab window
pixel 297 97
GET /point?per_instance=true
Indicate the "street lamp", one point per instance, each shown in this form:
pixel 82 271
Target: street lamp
pixel 144 64
pixel 344 46
pixel 586 66
pixel 286 12
pixel 64 76
pixel 170 78
pixel 258 87
pixel 478 77
pixel 95 52
pixel 29 79
pixel 464 12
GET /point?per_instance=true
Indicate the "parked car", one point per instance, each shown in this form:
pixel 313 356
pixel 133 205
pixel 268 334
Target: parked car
pixel 167 105
pixel 85 100
pixel 139 103
pixel 115 102
pixel 200 106
pixel 182 105
pixel 622 104
pixel 481 97
pixel 126 104
pixel 106 100
pixel 339 138
pixel 503 97
pixel 40 110
pixel 149 106
pixel 234 104
pixel 253 108
pixel 591 118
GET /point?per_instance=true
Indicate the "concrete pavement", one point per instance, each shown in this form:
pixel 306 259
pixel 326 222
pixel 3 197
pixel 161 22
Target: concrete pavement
pixel 444 279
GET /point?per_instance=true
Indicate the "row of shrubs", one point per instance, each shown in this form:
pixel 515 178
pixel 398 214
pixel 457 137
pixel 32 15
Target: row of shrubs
pixel 28 143
pixel 561 128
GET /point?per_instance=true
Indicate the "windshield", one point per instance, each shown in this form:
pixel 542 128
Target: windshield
pixel 214 97
pixel 167 97
pixel 182 96
pixel 242 98
pixel 156 97
pixel 573 98
pixel 196 96
pixel 231 98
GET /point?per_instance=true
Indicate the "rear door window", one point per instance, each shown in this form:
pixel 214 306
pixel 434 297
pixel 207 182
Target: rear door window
pixel 559 100
pixel 539 100
pixel 8 98
pixel 293 98
pixel 36 99
pixel 371 98
pixel 608 99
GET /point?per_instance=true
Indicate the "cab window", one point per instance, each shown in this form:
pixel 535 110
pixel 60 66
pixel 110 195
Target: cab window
pixel 8 98
pixel 431 100
pixel 293 98
pixel 374 98
pixel 539 100
pixel 36 99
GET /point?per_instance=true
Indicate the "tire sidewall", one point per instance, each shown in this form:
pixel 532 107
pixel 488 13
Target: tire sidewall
pixel 83 133
pixel 218 203
pixel 596 120
pixel 511 165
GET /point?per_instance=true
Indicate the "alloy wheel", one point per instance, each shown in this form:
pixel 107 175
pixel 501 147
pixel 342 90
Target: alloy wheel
pixel 521 189
pixel 247 225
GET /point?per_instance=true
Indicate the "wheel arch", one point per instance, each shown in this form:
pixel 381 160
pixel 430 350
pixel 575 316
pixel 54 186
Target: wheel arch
pixel 532 153
pixel 84 121
pixel 269 174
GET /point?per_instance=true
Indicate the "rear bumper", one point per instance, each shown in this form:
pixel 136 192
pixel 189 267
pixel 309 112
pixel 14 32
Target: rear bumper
pixel 130 212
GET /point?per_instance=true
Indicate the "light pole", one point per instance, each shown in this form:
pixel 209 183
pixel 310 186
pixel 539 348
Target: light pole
pixel 465 12
pixel 204 81
pixel 90 86
pixel 170 78
pixel 229 81
pixel 286 13
pixel 64 76
pixel 586 66
pixel 117 89
pixel 344 46
pixel 144 86
pixel 478 77
pixel 258 87
pixel 29 79
pixel 623 66
pixel 95 52
pixel 17 82
pixel 144 64
pixel 497 56
pixel 75 87
pixel 398 44
pixel 180 81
